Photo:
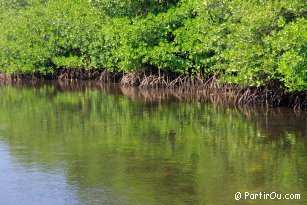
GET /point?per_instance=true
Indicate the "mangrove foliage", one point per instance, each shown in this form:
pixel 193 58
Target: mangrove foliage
pixel 247 43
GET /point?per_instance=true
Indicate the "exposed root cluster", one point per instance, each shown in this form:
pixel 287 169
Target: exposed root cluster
pixel 196 85
pixel 2 76
pixel 4 80
pixel 131 79
pixel 77 74
pixel 182 86
pixel 153 81
pixel 82 74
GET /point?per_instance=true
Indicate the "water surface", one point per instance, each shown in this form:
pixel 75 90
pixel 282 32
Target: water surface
pixel 87 143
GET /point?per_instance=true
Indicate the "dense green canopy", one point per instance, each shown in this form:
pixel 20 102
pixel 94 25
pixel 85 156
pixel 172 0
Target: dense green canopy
pixel 244 42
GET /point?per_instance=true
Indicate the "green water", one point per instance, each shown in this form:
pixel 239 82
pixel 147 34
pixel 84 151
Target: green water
pixel 102 144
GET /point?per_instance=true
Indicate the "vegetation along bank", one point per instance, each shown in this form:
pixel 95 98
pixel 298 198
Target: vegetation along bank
pixel 254 51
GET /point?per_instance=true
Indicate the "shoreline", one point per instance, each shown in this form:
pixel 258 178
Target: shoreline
pixel 270 95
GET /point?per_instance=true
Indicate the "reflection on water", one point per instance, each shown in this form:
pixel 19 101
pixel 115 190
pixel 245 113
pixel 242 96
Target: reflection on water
pixel 91 143
pixel 30 185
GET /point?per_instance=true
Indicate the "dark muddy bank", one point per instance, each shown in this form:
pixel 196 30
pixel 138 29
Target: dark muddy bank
pixel 177 86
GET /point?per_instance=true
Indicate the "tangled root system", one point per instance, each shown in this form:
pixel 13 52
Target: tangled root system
pixel 198 85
